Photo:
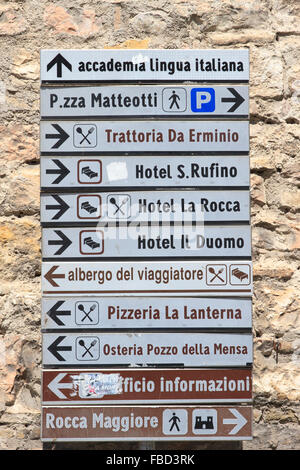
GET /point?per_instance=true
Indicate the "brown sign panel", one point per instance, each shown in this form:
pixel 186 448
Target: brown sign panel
pixel 140 386
pixel 125 423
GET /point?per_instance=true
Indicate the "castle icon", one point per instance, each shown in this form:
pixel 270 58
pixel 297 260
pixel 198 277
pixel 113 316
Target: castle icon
pixel 204 424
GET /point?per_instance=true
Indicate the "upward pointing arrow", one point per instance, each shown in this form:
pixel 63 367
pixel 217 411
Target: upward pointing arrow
pixel 59 61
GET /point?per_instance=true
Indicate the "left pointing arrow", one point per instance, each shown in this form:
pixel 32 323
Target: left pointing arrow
pixel 54 313
pixel 61 137
pixel 59 61
pixel 56 385
pixel 64 241
pixel 61 206
pixel 55 348
pixel 50 276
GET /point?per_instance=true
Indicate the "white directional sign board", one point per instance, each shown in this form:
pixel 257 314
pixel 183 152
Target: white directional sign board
pixel 140 278
pixel 146 312
pixel 135 349
pixel 108 172
pixel 147 278
pixel 113 137
pixel 140 101
pixel 145 207
pixel 144 65
pixel 134 241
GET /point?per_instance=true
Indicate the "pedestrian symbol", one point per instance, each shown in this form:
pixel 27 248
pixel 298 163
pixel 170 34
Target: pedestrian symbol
pixel 175 421
pixel 174 100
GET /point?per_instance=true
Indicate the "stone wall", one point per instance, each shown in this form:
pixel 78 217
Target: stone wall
pixel 270 29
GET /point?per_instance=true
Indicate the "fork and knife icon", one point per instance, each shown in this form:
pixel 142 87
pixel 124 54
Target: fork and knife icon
pixel 87 348
pixel 86 314
pixel 216 274
pixel 85 135
pixel 118 204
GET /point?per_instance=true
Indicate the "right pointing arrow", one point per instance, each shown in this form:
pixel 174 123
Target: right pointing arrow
pixel 55 347
pixel 62 171
pixel 61 137
pixel 239 421
pixel 61 206
pixel 237 99
pixel 64 241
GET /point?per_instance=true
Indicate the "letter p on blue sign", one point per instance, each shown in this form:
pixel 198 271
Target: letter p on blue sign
pixel 203 100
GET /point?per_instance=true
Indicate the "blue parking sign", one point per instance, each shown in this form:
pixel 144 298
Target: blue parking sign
pixel 203 100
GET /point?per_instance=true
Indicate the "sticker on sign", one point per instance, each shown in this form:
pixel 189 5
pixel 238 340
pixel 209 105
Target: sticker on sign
pixel 148 277
pixel 144 65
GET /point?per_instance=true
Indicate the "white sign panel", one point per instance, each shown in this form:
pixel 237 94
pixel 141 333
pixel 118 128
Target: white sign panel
pixel 135 349
pixel 140 278
pixel 202 137
pixel 144 65
pixel 134 241
pixel 145 207
pixel 105 172
pixel 140 101
pixel 145 312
